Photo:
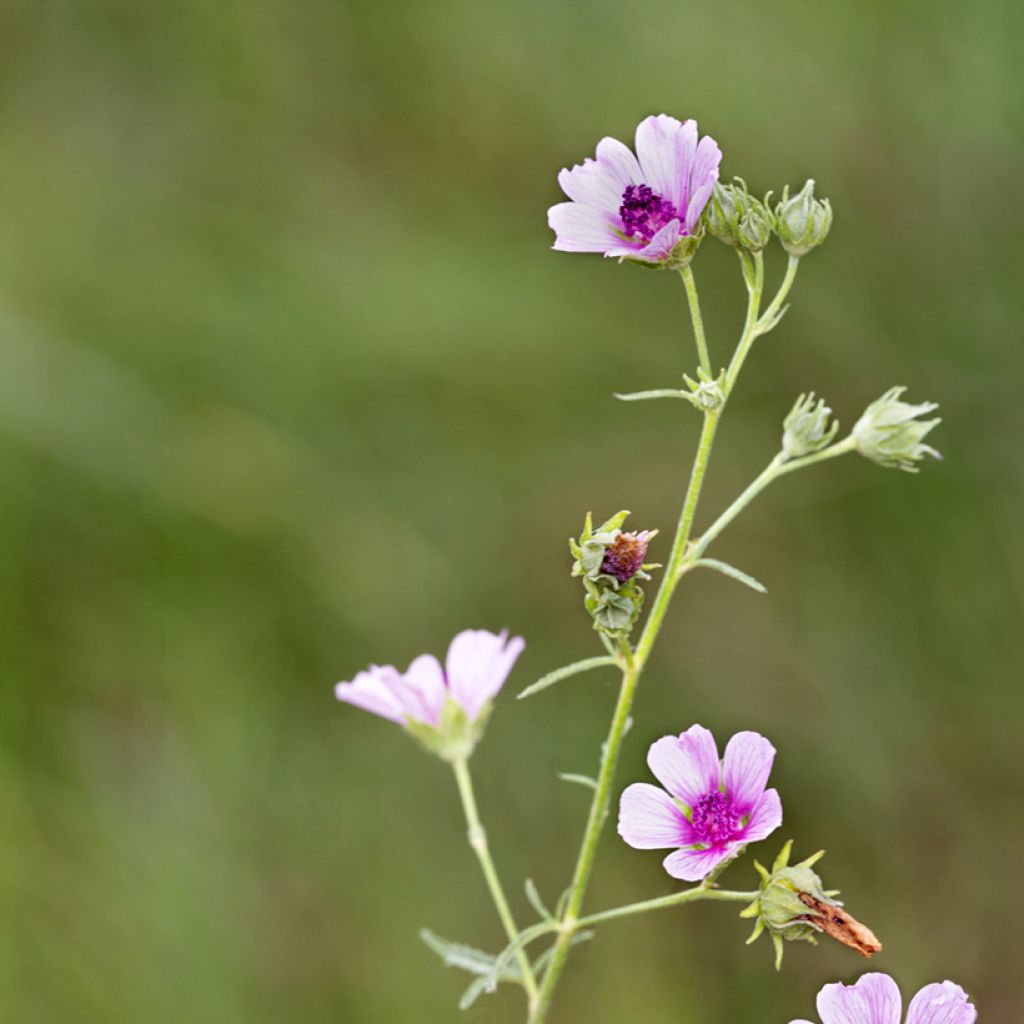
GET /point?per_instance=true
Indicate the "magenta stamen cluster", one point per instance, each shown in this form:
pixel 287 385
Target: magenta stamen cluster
pixel 714 820
pixel 644 213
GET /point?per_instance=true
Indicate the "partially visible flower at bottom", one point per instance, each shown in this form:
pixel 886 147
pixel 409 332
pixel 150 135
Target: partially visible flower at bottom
pixel 875 999
pixel 446 709
pixel 711 808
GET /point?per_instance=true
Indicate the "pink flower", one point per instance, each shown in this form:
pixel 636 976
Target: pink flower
pixel 638 207
pixel 711 809
pixel 477 665
pixel 875 999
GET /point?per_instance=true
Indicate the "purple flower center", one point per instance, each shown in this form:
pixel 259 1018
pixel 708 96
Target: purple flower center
pixel 714 820
pixel 644 212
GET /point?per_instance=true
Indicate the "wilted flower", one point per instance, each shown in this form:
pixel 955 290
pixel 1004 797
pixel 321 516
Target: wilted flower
pixel 712 808
pixel 806 429
pixel 793 904
pixel 802 221
pixel 444 708
pixel 889 433
pixel 875 999
pixel 644 207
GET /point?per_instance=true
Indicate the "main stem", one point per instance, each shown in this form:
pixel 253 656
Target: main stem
pixel 635 662
pixel 478 841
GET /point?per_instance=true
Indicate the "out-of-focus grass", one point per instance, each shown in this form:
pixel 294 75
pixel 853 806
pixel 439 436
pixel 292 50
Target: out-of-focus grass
pixel 290 382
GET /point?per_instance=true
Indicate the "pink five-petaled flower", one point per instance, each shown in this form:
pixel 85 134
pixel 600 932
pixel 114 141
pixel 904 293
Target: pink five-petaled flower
pixel 712 807
pixel 875 999
pixel 445 708
pixel 638 207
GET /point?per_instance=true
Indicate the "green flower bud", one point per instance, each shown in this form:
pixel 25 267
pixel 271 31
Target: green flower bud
pixel 802 221
pixel 735 217
pixel 707 393
pixel 794 906
pixel 807 429
pixel 889 433
pixel 755 229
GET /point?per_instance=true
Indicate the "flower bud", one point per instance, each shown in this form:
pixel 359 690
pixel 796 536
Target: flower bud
pixel 735 217
pixel 708 394
pixel 807 429
pixel 755 229
pixel 802 221
pixel 889 433
pixel 793 905
pixel 611 563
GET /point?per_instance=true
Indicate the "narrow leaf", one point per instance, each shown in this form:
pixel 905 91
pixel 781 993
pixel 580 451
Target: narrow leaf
pixel 535 901
pixel 583 780
pixel 640 396
pixel 564 673
pixel 455 954
pixel 732 571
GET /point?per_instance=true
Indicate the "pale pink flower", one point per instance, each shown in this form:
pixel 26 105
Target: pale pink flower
pixel 875 999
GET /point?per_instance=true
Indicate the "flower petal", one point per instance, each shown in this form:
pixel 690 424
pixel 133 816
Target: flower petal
pixel 765 818
pixel 373 691
pixel 944 1003
pixel 656 249
pixel 650 820
pixel 601 182
pixel 874 999
pixel 687 765
pixel 423 689
pixel 666 147
pixel 746 767
pixel 580 228
pixel 695 865
pixel 477 665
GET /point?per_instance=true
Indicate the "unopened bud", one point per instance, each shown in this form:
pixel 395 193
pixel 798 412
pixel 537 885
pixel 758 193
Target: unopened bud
pixel 890 434
pixel 807 429
pixel 802 221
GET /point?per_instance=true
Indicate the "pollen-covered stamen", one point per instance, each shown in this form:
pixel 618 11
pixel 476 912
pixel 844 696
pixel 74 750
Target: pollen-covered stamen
pixel 644 212
pixel 714 820
pixel 625 557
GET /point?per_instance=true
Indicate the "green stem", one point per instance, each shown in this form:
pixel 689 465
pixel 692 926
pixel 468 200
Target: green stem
pixel 780 296
pixel 478 841
pixel 700 892
pixel 635 662
pixel 776 468
pixel 696 318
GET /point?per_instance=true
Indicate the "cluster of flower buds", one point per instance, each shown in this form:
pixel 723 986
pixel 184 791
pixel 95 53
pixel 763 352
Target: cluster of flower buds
pixel 807 429
pixel 801 221
pixel 611 565
pixel 890 434
pixel 739 219
pixel 793 905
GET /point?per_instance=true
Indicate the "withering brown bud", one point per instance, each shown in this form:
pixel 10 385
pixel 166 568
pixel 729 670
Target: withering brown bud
pixel 833 920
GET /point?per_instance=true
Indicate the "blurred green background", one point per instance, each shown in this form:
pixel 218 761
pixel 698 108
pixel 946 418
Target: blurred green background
pixel 290 382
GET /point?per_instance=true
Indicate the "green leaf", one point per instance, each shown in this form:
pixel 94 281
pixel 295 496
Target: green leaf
pixel 582 780
pixel 641 396
pixel 733 572
pixel 455 954
pixel 535 901
pixel 564 673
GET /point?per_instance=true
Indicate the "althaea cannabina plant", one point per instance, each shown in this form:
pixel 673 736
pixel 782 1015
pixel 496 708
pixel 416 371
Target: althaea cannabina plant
pixel 654 207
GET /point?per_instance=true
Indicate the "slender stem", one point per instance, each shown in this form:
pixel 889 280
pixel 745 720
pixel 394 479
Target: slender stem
pixel 478 841
pixel 776 468
pixel 634 661
pixel 698 320
pixel 755 286
pixel 780 295
pixel 700 892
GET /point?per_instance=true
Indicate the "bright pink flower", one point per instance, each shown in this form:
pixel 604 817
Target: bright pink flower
pixel 477 665
pixel 875 999
pixel 712 807
pixel 638 207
